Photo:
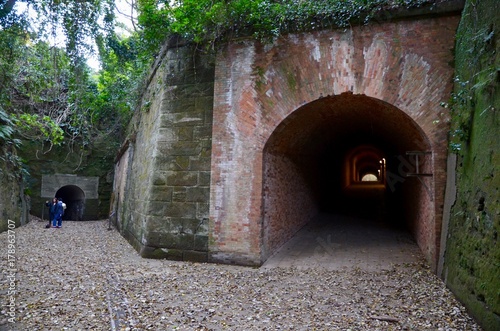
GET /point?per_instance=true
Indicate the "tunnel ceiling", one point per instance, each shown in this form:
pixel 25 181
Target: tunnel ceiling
pixel 344 119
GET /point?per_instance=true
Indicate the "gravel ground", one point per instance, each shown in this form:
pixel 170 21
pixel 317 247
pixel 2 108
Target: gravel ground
pixel 84 277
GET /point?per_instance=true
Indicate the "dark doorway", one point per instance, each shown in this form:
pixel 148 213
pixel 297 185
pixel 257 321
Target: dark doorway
pixel 344 155
pixel 74 198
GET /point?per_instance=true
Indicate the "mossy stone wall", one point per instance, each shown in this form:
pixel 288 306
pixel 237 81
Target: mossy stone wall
pixel 162 178
pixel 472 258
pixel 95 161
pixel 13 203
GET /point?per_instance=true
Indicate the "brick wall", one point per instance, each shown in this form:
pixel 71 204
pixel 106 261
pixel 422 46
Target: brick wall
pixel 226 156
pixel 404 64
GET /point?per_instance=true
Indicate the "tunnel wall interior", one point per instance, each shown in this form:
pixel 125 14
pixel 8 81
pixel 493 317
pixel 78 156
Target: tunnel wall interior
pixel 311 165
pixel 288 200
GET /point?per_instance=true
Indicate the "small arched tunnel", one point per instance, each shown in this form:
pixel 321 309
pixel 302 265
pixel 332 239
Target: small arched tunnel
pixel 346 155
pixel 74 198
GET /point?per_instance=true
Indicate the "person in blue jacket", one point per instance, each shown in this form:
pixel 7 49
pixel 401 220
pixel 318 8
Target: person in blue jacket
pixel 52 205
pixel 58 212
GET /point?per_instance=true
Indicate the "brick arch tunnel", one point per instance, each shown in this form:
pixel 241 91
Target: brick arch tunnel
pixel 346 154
pixel 74 198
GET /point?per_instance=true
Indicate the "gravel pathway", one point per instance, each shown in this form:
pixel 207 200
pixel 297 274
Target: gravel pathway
pixel 84 277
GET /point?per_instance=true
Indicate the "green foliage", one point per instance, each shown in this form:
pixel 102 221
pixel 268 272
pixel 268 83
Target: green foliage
pixel 78 20
pixel 48 92
pixel 48 128
pixel 120 80
pixel 51 94
pixel 212 21
pixel 6 127
pixel 460 100
pixel 8 145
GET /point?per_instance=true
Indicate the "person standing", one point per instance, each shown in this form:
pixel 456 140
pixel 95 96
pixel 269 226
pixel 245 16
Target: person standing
pixel 59 210
pixel 52 210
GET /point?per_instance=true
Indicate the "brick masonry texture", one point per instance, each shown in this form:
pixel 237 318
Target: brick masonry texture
pixel 223 165
pixel 255 203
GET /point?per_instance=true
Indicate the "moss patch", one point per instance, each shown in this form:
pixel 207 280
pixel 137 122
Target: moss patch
pixel 472 261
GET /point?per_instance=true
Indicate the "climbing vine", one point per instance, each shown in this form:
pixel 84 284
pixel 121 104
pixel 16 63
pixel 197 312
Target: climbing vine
pixel 212 21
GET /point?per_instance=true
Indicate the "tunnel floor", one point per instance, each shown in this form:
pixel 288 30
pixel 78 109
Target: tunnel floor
pixel 337 241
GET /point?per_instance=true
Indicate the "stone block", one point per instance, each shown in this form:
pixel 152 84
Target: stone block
pixel 165 240
pixel 203 210
pixel 155 239
pixel 201 243
pixel 156 208
pixel 201 163
pixel 189 118
pixel 166 121
pixel 198 194
pixel 205 71
pixel 205 101
pixel 185 133
pixel 180 148
pixel 159 179
pixel 180 105
pixel 161 193
pixel 191 225
pixel 181 209
pixel 203 132
pixel 195 256
pixel 52 183
pixel 166 134
pixel 179 194
pixel 173 254
pixel 158 224
pixel 185 241
pixel 166 162
pixel 182 178
pixel 204 178
pixel 149 252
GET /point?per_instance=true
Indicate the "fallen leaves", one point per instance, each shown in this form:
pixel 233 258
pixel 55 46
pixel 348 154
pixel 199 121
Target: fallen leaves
pixel 84 277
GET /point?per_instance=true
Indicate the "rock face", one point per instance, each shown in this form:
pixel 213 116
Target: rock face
pixel 472 256
pixel 83 178
pixel 230 154
pixel 14 205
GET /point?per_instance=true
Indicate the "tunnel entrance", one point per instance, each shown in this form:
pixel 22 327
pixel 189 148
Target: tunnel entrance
pixel 348 155
pixel 74 198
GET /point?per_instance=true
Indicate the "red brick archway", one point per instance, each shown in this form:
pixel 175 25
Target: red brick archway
pixel 402 68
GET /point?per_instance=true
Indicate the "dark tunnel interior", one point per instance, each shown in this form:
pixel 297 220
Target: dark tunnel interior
pixel 321 138
pixel 74 198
